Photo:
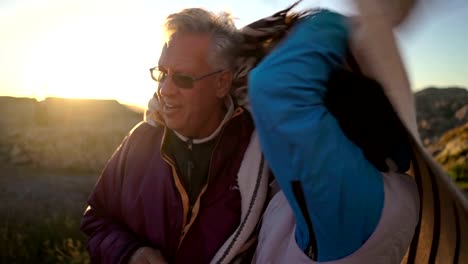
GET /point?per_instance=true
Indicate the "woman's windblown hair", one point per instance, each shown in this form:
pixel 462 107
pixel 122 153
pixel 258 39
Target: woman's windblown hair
pixel 367 118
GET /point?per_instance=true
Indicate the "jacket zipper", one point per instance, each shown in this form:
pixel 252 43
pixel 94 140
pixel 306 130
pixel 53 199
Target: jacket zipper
pixel 298 192
pixel 179 186
pixel 190 214
pixel 187 222
pixel 190 167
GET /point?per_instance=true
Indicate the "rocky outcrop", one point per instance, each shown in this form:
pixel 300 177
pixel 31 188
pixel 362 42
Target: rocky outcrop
pixel 452 152
pixel 443 126
pixel 439 110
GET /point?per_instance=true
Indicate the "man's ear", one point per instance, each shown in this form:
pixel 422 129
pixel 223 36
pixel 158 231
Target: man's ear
pixel 224 83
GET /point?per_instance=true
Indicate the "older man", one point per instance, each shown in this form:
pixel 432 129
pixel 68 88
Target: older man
pixel 188 185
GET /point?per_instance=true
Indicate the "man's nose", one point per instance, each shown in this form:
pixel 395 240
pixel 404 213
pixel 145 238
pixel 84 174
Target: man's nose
pixel 167 88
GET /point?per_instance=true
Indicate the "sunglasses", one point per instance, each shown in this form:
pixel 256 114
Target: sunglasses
pixel 180 80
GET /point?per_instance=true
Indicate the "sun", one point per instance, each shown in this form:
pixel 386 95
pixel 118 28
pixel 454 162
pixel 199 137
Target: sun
pixel 77 60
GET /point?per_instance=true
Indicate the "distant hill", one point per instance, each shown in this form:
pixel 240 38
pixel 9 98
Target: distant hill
pixel 81 134
pixel 62 134
pixel 17 111
pixel 60 111
pixel 443 125
pixel 135 108
pixel 440 110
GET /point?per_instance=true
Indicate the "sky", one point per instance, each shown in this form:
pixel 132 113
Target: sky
pixel 103 48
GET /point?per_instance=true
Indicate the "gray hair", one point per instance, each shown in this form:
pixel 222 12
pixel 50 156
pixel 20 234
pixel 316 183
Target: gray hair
pixel 226 38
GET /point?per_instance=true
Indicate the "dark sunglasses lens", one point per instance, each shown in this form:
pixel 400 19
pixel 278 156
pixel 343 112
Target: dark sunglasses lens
pixel 182 81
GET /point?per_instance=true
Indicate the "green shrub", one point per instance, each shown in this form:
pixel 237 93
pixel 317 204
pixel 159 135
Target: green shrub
pixel 459 172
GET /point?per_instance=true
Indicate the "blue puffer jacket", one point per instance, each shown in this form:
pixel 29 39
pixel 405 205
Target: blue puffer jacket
pixel 335 193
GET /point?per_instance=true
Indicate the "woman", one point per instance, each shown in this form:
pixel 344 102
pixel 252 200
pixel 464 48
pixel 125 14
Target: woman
pixel 344 195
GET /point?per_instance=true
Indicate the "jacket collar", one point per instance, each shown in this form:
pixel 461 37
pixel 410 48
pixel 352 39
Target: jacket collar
pixel 230 106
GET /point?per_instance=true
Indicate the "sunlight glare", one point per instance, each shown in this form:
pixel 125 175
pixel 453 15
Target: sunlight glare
pixel 95 59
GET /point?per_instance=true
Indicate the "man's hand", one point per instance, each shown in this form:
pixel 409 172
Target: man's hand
pixel 147 255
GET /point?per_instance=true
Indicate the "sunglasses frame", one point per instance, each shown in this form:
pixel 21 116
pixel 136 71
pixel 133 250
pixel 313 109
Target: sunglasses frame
pixel 176 77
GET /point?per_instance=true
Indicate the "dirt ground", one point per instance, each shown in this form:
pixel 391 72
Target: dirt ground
pixel 26 193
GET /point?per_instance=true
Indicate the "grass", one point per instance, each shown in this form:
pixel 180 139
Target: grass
pixel 40 214
pixel 54 239
pixel 41 225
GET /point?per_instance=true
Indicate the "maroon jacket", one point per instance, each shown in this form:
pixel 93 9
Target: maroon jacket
pixel 139 199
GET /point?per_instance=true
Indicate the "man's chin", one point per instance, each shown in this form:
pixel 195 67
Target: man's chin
pixel 173 124
pixel 170 124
